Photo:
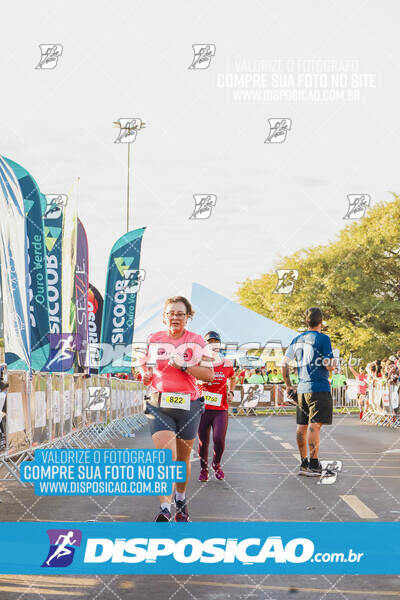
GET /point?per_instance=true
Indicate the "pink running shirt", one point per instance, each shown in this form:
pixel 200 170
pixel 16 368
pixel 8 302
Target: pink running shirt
pixel 190 347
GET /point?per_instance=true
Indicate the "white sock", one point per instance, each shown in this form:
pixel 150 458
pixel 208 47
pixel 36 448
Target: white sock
pixel 180 495
pixel 166 505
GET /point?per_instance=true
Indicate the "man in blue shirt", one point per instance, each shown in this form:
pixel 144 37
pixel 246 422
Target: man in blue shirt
pixel 312 353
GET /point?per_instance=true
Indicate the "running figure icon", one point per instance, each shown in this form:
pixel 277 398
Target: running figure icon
pixel 63 543
pixel 62 549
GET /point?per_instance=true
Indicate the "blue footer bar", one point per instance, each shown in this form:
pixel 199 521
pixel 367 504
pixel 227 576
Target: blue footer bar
pixel 199 548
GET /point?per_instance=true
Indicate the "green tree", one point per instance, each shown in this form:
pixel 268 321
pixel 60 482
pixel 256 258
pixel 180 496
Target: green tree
pixel 355 280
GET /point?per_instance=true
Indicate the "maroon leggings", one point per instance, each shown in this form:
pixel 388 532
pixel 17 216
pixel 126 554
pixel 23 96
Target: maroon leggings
pixel 218 420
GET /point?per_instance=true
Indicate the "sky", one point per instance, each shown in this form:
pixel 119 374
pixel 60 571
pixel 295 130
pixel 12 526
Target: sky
pixel 332 66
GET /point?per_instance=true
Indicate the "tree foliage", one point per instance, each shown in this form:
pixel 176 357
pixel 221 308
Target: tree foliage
pixel 355 281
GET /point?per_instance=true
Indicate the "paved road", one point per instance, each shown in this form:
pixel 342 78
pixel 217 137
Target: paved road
pixel 261 484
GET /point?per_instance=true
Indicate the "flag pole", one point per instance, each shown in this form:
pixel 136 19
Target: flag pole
pixel 128 127
pixel 128 190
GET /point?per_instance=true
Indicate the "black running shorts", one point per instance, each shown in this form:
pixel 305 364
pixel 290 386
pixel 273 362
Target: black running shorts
pixel 184 423
pixel 314 407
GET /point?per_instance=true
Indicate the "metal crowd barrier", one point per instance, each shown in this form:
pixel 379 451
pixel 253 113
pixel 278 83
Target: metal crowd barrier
pixel 345 397
pixel 383 405
pixel 64 410
pixel 254 399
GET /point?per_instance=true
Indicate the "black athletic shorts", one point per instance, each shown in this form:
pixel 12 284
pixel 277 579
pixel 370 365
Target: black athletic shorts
pixel 314 407
pixel 184 423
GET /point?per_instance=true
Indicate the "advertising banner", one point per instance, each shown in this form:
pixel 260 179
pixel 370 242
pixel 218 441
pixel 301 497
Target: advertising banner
pixel 95 312
pixel 14 271
pixel 123 283
pixel 81 294
pixel 35 205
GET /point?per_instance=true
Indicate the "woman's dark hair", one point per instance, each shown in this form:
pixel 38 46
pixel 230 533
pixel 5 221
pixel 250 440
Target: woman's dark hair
pixel 185 301
pixel 313 316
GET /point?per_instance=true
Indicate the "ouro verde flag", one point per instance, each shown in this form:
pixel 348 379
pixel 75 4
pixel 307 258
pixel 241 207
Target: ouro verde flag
pixel 35 205
pixel 14 271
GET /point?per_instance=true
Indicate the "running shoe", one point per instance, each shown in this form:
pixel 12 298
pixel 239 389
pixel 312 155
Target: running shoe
pixel 181 515
pixel 219 474
pixel 203 475
pixel 164 516
pixel 314 471
pixel 303 468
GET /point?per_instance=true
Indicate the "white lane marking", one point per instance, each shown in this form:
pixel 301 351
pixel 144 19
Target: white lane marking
pixel 359 507
pixel 394 451
pixel 296 455
pixel 349 451
pixel 276 437
pixel 287 445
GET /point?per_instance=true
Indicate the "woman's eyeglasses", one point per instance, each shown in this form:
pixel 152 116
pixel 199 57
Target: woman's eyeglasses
pixel 171 314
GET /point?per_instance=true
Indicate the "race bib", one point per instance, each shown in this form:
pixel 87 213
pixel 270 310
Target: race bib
pixel 214 399
pixel 173 400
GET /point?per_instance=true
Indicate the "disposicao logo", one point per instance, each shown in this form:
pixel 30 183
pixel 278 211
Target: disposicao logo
pixel 63 543
pixel 192 550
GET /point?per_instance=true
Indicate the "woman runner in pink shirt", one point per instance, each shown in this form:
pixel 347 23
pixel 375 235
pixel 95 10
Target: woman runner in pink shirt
pixel 180 358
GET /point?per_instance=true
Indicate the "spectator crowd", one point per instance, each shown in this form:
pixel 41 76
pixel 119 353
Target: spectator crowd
pixel 262 375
